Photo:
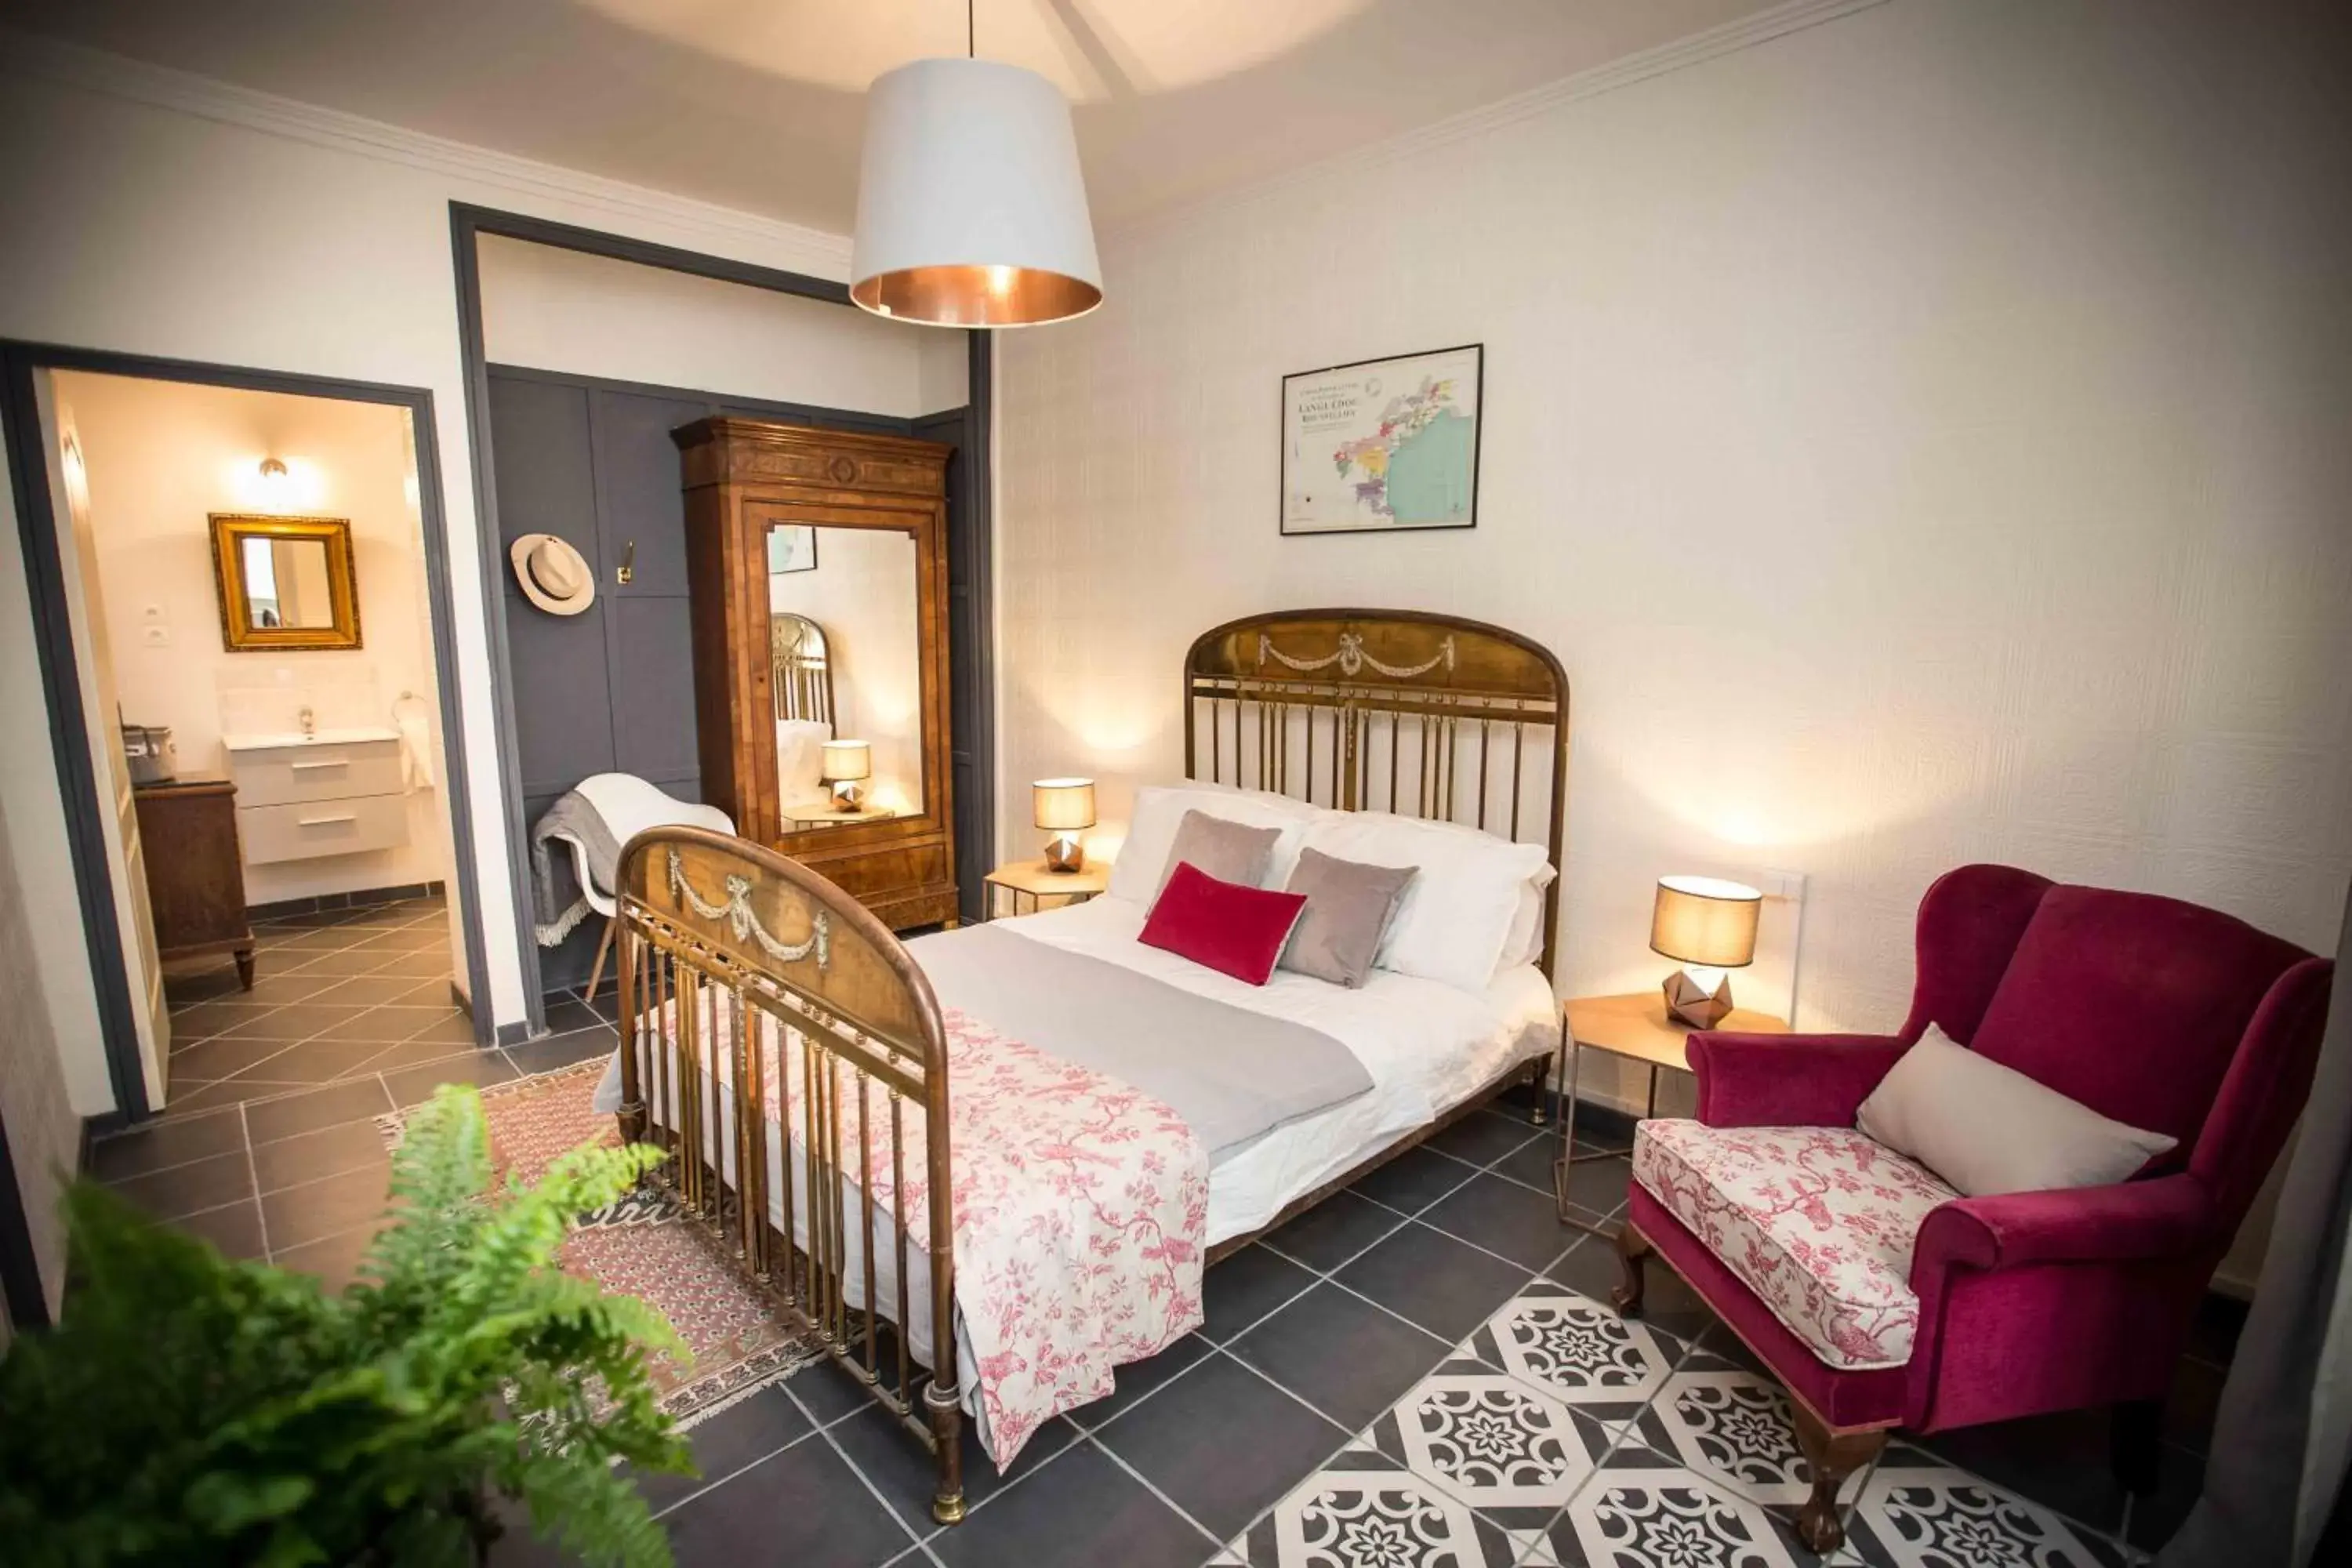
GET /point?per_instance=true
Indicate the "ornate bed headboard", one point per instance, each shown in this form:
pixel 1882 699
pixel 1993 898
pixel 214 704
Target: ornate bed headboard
pixel 1422 715
pixel 801 659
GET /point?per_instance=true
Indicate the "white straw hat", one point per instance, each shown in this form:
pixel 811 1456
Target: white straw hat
pixel 551 574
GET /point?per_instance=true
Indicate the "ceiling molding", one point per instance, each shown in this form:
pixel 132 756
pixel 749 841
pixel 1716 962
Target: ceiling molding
pixel 1682 53
pixel 746 236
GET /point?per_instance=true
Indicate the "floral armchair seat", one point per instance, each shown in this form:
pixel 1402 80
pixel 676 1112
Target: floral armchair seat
pixel 1883 1297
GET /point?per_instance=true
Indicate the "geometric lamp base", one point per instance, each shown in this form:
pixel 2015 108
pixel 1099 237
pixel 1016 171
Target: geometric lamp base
pixel 1688 1002
pixel 1065 853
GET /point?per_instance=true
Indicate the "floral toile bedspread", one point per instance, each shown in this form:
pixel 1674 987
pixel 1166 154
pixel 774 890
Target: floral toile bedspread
pixel 1081 1215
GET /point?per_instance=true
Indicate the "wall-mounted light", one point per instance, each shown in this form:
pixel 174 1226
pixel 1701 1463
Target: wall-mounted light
pixel 277 485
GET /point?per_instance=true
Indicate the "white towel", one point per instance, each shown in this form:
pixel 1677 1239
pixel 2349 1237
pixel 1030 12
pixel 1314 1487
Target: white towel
pixel 415 722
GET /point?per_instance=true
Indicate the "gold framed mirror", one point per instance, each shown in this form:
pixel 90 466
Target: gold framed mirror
pixel 286 583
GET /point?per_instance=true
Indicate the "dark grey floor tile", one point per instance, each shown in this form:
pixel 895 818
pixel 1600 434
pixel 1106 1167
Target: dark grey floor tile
pixel 1667 1302
pixel 2060 1461
pixel 2181 1477
pixel 313 1156
pixel 311 940
pixel 334 1259
pixel 413 1085
pixel 204 1183
pixel 902 1471
pixel 827 1391
pixel 1341 1355
pixel 225 1057
pixel 277 990
pixel 1080 1511
pixel 191 1097
pixel 408 938
pixel 1138 1380
pixel 314 1210
pixel 345 963
pixel 570 1014
pixel 1247 1287
pixel 309 1111
pixel 296 1021
pixel 424 963
pixel 1597 1186
pixel 158 1144
pixel 1412 1181
pixel 313 1061
pixel 802 1507
pixel 236 1230
pixel 380 1024
pixel 414 1053
pixel 1334 1231
pixel 1483 1137
pixel 1502 1216
pixel 364 990
pixel 743 1434
pixel 1444 1285
pixel 1222 1443
pixel 185 990
pixel 1592 1268
pixel 564 1050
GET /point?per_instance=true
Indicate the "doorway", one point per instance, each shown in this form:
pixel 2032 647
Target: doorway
pixel 243 612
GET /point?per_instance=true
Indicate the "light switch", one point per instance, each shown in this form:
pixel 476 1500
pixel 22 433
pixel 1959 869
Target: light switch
pixel 151 613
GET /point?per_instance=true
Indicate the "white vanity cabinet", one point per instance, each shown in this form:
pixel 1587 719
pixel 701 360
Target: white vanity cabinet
pixel 335 792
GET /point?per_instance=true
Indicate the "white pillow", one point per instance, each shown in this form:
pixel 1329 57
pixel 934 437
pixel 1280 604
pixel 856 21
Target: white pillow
pixel 1458 913
pixel 1525 944
pixel 1143 862
pixel 1989 1129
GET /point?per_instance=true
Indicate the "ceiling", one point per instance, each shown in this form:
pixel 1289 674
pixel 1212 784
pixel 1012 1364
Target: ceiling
pixel 757 104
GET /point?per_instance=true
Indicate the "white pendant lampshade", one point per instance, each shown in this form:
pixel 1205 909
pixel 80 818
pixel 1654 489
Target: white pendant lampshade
pixel 970 208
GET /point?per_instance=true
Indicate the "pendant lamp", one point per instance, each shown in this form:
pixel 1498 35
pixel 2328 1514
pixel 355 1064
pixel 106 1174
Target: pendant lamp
pixel 970 208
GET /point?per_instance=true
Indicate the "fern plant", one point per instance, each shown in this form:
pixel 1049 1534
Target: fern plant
pixel 188 1409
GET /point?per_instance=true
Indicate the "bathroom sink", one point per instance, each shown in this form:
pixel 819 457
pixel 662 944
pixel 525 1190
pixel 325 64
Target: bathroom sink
pixel 296 738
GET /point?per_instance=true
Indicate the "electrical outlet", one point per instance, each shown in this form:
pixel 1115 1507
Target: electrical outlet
pixel 151 613
pixel 1789 885
pixel 156 636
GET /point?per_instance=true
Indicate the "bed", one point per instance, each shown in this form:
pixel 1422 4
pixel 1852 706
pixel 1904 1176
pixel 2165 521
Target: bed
pixel 950 1131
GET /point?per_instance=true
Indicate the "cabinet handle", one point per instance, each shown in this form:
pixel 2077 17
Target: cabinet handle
pixel 628 567
pixel 336 763
pixel 325 821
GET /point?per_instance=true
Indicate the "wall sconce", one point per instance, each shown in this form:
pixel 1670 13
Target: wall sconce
pixel 846 765
pixel 1066 806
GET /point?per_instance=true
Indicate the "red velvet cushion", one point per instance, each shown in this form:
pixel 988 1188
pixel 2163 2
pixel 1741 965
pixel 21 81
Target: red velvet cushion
pixel 1223 926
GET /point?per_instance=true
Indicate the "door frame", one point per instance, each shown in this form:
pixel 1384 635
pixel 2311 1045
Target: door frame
pixel 467 223
pixel 29 471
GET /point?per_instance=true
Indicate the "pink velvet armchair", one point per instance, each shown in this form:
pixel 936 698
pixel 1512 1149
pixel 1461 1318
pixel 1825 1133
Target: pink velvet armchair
pixel 1879 1297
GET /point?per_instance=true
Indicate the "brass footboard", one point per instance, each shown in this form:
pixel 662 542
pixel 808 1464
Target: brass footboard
pixel 754 990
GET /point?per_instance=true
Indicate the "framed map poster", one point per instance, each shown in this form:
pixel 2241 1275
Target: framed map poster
pixel 1383 443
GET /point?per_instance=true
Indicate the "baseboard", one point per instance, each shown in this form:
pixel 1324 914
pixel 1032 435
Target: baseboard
pixel 360 898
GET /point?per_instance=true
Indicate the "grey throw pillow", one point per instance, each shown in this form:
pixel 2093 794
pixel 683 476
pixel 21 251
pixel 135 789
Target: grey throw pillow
pixel 1989 1129
pixel 1349 907
pixel 1229 851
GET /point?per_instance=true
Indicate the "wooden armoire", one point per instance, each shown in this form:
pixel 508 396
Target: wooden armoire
pixel 745 479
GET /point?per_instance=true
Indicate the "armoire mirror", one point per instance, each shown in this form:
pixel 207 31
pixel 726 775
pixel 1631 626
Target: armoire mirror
pixel 846 666
pixel 817 565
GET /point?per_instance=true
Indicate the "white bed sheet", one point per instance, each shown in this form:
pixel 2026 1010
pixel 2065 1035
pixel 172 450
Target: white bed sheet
pixel 1426 1046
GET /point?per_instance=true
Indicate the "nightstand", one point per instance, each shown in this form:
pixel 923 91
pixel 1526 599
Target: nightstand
pixel 1635 1026
pixel 1030 880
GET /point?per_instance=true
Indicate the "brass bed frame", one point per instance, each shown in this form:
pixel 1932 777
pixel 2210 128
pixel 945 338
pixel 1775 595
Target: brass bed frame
pixel 724 940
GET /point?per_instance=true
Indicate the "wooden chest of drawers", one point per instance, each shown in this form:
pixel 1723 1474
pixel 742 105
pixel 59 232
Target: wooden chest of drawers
pixel 195 876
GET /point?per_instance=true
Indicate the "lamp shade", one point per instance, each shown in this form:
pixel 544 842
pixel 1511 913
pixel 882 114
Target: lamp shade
pixel 1704 921
pixel 848 760
pixel 1063 806
pixel 970 208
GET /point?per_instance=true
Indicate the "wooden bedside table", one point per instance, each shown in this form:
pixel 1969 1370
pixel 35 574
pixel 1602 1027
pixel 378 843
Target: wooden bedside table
pixel 1030 879
pixel 1635 1026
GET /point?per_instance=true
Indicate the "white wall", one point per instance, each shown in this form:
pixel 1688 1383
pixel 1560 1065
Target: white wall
pixel 1920 437
pixel 44 1124
pixel 157 214
pixel 865 593
pixel 162 458
pixel 591 315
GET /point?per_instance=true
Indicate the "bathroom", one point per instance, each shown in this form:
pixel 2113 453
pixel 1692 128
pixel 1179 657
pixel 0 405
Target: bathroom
pixel 247 573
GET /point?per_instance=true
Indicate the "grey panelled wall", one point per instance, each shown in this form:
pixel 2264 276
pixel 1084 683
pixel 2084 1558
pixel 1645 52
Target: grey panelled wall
pixel 612 689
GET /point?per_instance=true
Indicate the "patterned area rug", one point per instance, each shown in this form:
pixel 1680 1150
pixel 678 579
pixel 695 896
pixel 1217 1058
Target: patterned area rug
pixel 644 1246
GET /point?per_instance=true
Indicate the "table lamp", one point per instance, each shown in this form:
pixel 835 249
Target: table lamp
pixel 1065 806
pixel 846 765
pixel 1707 925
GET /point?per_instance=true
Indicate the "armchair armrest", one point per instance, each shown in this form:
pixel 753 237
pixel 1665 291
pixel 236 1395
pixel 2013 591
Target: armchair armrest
pixel 2171 1216
pixel 1787 1081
